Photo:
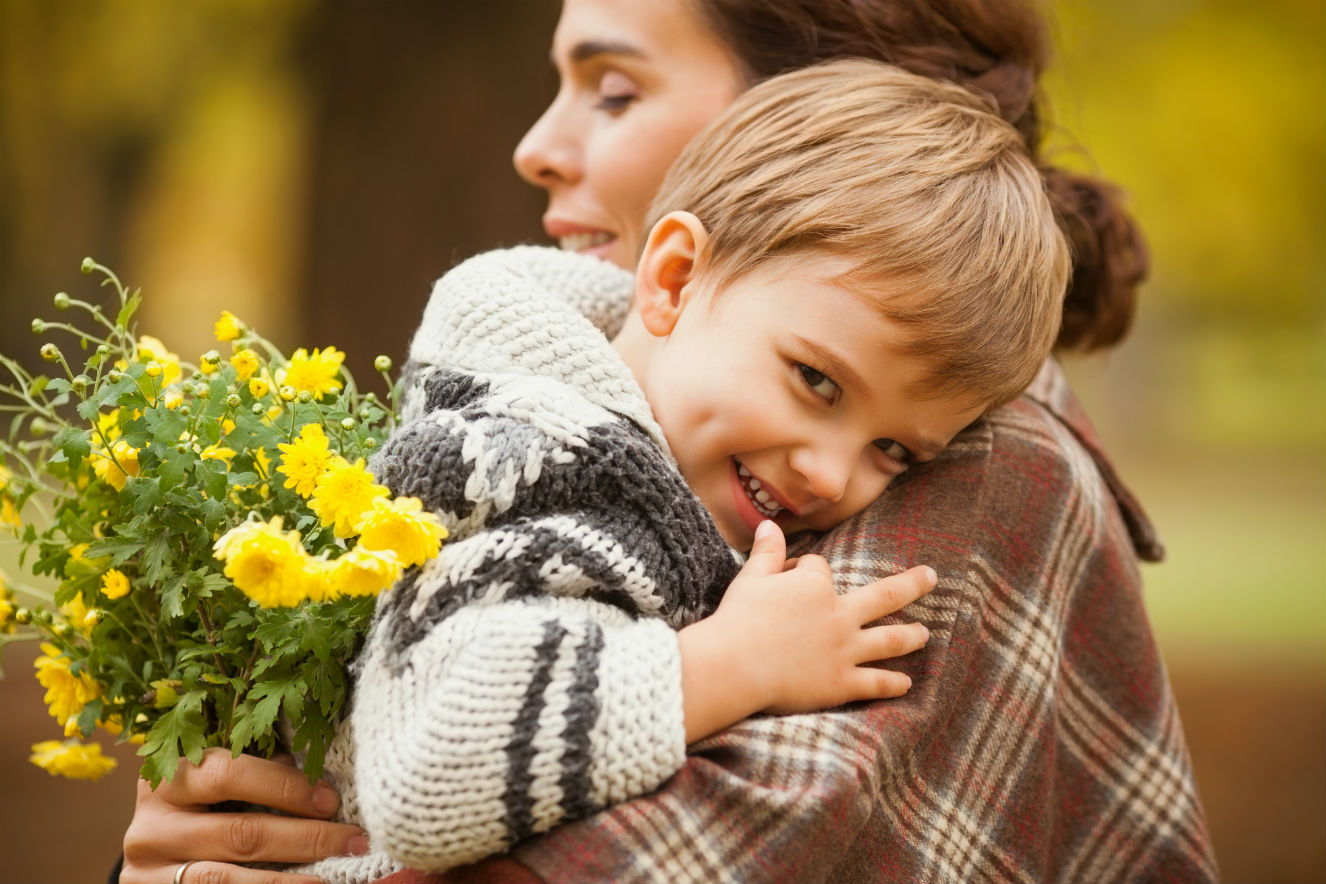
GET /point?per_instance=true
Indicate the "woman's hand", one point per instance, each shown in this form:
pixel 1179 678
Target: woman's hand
pixel 174 824
pixel 783 641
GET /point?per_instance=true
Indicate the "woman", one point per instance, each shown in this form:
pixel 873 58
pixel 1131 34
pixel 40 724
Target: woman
pixel 1041 741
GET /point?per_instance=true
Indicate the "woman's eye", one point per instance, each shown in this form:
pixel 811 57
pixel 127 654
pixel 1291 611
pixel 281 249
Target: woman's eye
pixel 893 450
pixel 616 91
pixel 819 382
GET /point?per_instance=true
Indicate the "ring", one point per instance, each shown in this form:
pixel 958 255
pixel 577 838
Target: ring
pixel 179 873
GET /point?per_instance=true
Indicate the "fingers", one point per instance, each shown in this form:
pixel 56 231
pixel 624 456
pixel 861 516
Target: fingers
pixel 869 683
pixel 886 642
pixel 224 873
pixel 219 777
pixel 891 594
pixel 243 838
pixel 768 551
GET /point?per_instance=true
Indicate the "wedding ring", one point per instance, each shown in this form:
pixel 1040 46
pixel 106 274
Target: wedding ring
pixel 179 873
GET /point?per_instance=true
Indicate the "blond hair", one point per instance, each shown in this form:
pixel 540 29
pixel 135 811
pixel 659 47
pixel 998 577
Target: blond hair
pixel 925 190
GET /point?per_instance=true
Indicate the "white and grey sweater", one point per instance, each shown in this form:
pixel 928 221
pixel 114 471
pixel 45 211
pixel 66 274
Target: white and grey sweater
pixel 530 674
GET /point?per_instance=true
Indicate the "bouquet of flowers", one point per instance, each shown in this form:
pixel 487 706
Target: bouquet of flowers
pixel 213 538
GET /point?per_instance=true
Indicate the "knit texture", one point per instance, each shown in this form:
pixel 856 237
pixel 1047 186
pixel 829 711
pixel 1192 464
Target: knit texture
pixel 530 674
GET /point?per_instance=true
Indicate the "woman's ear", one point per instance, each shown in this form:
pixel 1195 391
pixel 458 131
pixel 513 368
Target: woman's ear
pixel 672 258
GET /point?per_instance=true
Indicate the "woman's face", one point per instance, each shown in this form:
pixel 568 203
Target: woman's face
pixel 638 80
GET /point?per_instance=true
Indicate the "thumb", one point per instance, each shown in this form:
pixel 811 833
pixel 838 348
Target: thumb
pixel 768 552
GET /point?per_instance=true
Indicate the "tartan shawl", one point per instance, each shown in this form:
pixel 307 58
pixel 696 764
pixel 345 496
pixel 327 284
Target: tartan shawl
pixel 1039 742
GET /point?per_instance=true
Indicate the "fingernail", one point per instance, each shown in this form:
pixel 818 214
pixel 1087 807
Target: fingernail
pixel 762 530
pixel 931 575
pixel 325 799
pixel 926 639
pixel 358 845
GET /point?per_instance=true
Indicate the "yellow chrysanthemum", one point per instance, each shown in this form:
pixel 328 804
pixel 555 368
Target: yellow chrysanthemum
pixel 66 693
pixel 6 607
pixel 259 387
pixel 108 425
pixel 114 725
pixel 343 494
pixel 117 469
pixel 228 327
pixel 305 459
pixel 72 759
pixel 316 372
pixel 217 451
pixel 172 399
pixel 75 613
pixel 114 585
pixel 365 572
pixel 403 527
pixel 265 563
pixel 8 511
pixel 151 349
pixel 246 364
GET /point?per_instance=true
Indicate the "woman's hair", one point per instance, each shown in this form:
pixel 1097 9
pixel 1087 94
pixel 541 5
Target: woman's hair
pixel 924 192
pixel 999 47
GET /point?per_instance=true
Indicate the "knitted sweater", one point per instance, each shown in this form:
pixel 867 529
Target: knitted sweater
pixel 530 674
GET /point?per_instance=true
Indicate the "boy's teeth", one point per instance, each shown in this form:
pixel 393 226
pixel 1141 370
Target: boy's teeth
pixel 575 242
pixel 762 500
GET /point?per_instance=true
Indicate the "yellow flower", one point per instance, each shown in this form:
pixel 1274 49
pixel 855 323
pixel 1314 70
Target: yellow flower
pixel 314 372
pixel 108 425
pixel 118 469
pixel 114 725
pixel 66 693
pixel 318 583
pixel 75 613
pixel 114 585
pixel 172 399
pixel 343 494
pixel 72 759
pixel 265 563
pixel 228 327
pixel 6 607
pixel 246 364
pixel 259 387
pixel 217 451
pixel 151 349
pixel 305 459
pixel 402 527
pixel 364 572
pixel 9 512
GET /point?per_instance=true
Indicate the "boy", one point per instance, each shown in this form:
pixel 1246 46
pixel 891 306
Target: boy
pixel 849 267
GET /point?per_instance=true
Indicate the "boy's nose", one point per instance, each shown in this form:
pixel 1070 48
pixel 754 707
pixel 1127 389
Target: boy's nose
pixel 545 156
pixel 825 469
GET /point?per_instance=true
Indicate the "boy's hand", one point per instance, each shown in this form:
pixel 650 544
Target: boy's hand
pixel 783 641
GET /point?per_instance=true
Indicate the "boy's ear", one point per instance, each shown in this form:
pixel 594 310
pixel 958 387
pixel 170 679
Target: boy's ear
pixel 672 258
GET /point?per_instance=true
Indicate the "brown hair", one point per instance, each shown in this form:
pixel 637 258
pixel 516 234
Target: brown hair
pixel 925 190
pixel 1000 47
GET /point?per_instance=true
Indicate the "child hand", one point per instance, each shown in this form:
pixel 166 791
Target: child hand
pixel 783 641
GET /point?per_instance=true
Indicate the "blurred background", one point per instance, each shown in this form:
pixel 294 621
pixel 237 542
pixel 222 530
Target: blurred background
pixel 313 166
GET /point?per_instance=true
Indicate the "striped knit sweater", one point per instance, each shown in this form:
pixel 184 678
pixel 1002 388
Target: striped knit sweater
pixel 530 674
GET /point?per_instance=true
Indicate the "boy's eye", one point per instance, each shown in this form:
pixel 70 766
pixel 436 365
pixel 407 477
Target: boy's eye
pixel 616 91
pixel 819 382
pixel 893 450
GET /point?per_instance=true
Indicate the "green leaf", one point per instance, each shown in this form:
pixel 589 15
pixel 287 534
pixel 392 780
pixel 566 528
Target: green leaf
pixel 130 305
pixel 119 549
pixel 172 597
pixel 75 444
pixel 146 493
pixel 213 474
pixel 174 467
pixel 179 732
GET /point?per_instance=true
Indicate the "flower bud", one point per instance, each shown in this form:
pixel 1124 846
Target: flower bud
pixel 81 383
pixel 93 617
pixel 61 300
pixel 22 616
pixel 88 266
pixel 382 363
pixel 257 408
pixel 114 375
pixel 153 369
pixel 50 352
pixel 305 397
pixel 64 630
pixel 40 427
pixel 370 443
pixel 38 326
pixel 103 350
pixel 348 423
pixel 287 393
pixel 211 357
pixel 233 400
pixel 185 409
pixel 201 391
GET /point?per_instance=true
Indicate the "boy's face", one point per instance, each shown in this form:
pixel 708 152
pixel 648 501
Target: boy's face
pixel 785 397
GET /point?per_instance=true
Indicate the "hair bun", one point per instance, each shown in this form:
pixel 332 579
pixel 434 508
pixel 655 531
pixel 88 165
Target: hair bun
pixel 1110 260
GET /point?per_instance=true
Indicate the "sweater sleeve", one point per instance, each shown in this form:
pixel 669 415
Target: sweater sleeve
pixel 530 674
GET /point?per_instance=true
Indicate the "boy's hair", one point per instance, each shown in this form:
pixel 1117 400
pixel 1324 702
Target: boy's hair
pixel 926 191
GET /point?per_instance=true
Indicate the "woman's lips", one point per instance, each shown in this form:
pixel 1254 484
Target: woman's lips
pixel 582 241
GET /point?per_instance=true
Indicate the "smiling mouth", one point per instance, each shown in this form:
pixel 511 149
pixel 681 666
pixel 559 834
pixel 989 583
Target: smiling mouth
pixel 577 242
pixel 761 499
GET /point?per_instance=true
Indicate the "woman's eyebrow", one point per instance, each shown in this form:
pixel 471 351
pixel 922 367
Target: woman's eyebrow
pixel 587 49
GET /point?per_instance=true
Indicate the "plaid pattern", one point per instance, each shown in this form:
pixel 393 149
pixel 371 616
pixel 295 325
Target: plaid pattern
pixel 1040 741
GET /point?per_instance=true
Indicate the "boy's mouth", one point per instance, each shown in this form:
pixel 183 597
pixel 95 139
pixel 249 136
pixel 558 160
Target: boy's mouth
pixel 762 500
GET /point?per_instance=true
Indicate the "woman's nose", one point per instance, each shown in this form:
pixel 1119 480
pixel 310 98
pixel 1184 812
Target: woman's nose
pixel 548 154
pixel 826 468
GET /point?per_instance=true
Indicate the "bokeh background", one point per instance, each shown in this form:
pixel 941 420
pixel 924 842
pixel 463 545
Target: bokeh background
pixel 312 166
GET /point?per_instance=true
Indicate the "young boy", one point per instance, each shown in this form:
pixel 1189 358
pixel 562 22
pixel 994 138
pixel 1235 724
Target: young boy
pixel 848 268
